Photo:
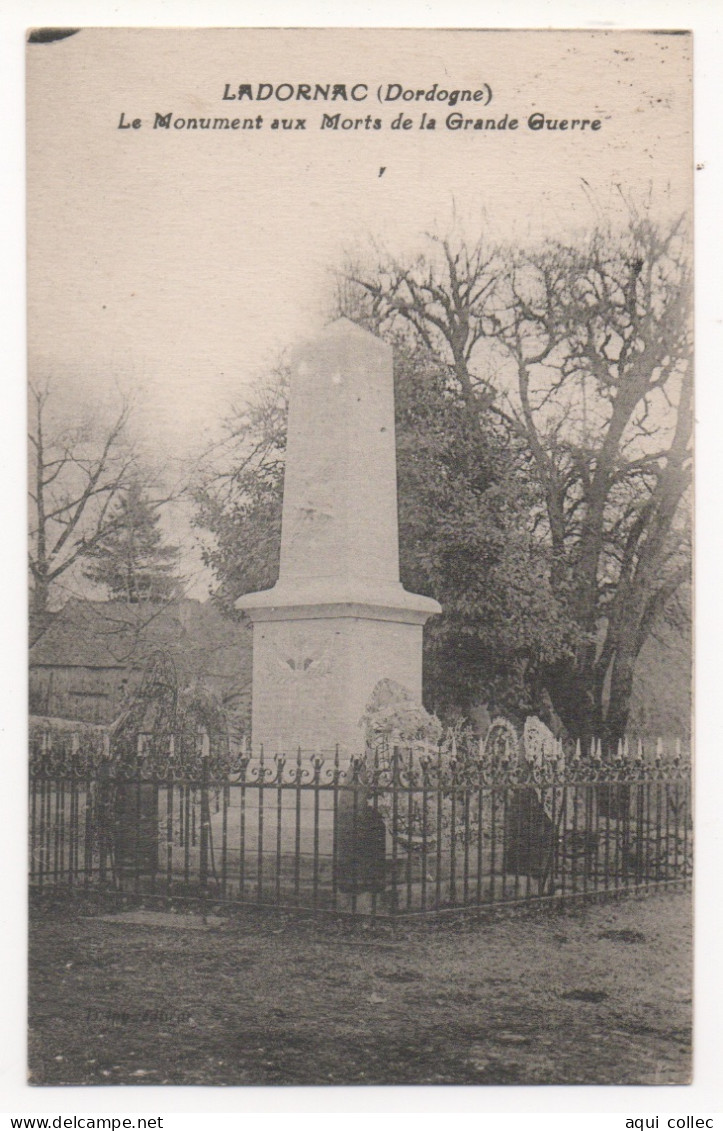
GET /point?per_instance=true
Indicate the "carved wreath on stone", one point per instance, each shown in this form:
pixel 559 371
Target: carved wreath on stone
pixel 299 661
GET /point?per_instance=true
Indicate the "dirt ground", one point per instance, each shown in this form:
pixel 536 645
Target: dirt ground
pixel 598 995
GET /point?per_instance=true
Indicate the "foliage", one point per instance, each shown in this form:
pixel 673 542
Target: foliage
pixel 239 494
pixel 200 709
pixel 582 355
pixel 465 539
pixel 130 557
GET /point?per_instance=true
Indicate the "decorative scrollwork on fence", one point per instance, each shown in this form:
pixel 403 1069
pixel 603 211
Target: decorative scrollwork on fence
pixel 455 763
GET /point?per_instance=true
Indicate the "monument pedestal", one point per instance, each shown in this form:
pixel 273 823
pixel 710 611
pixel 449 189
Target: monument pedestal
pixel 315 667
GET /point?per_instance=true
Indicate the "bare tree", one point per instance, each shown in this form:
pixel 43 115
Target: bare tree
pixel 583 354
pixel 238 493
pixel 76 472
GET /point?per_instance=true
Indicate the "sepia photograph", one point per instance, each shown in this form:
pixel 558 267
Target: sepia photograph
pixel 360 417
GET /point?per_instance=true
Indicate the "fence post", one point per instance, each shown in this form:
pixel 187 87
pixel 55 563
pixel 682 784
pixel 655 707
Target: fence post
pixel 205 824
pixel 73 831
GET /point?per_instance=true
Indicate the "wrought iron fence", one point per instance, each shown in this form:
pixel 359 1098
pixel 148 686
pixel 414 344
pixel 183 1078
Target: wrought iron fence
pixel 400 832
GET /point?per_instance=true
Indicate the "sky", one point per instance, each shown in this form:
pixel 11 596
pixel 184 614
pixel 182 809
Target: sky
pixel 181 263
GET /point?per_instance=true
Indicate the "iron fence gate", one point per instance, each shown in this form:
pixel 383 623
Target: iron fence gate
pixel 401 832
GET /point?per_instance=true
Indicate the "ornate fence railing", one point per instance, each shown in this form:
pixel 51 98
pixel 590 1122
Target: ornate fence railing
pixel 401 832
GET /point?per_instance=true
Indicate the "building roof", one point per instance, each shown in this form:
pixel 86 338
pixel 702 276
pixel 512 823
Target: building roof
pixel 114 634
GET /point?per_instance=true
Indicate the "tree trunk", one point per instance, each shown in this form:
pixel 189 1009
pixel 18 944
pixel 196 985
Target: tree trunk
pixel 570 692
pixel 39 611
pixel 618 707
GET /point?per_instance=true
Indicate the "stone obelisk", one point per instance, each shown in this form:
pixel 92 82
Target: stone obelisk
pixel 338 620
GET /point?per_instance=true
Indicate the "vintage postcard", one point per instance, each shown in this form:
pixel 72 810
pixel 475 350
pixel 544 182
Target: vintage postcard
pixel 360 474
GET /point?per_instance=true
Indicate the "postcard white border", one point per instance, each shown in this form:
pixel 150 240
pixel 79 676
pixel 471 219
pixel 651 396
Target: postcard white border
pixel 706 1094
